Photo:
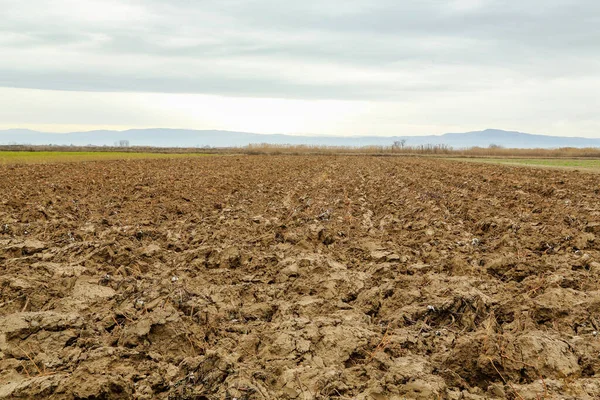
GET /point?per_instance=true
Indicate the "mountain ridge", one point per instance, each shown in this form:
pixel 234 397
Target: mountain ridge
pixel 170 137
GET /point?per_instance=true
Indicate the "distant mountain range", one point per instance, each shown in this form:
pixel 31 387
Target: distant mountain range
pixel 198 138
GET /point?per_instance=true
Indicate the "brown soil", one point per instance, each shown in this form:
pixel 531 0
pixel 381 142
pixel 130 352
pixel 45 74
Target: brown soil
pixel 298 278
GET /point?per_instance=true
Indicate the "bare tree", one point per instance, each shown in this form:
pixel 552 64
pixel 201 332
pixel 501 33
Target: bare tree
pixel 398 144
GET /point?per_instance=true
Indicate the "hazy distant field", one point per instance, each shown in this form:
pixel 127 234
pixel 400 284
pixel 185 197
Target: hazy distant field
pixel 557 162
pixel 36 157
pixel 19 157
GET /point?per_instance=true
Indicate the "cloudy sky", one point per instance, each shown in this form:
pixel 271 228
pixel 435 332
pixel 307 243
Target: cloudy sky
pixel 342 67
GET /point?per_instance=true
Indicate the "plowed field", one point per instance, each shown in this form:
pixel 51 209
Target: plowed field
pixel 298 278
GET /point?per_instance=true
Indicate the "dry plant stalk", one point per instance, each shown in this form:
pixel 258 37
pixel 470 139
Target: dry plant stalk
pixel 385 341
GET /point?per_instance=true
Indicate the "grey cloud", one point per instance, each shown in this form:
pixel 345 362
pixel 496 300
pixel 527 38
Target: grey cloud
pixel 531 40
pixel 33 38
pixel 245 86
pixel 528 21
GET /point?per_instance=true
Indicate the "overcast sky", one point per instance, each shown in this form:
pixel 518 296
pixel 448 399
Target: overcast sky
pixel 343 67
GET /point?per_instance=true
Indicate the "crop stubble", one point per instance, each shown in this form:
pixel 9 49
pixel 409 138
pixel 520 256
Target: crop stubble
pixel 298 277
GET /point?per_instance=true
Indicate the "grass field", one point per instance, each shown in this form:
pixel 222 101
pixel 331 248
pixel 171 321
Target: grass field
pixel 36 157
pixel 538 162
